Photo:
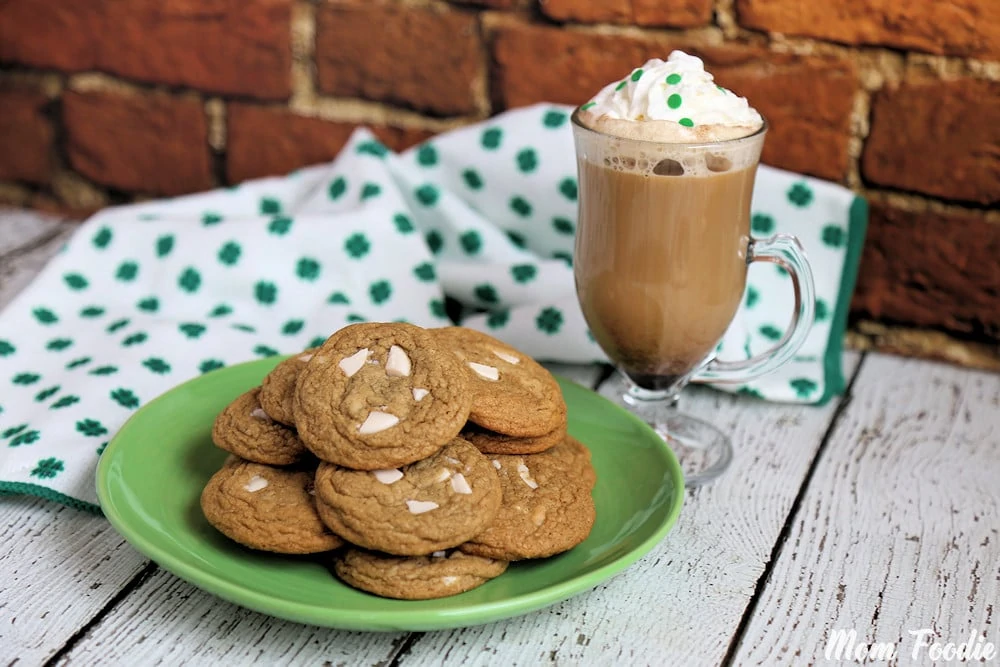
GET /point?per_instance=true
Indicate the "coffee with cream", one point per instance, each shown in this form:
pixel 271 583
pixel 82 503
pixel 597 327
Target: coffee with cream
pixel 666 163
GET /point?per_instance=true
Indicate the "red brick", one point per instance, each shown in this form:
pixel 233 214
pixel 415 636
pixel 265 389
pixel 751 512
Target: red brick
pixel 229 46
pixel 492 4
pixel 26 136
pixel 955 27
pixel 425 58
pixel 806 100
pixel 931 270
pixel 266 141
pixel 678 13
pixel 151 144
pixel 939 138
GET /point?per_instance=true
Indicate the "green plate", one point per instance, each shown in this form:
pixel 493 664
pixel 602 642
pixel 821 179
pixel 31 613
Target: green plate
pixel 150 478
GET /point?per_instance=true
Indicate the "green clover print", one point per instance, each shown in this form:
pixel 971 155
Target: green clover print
pixel 550 320
pixel 102 238
pixel 527 160
pixel 75 281
pixel 491 138
pixel 164 245
pixel 427 156
pixel 486 293
pixel 357 245
pixel 380 291
pixel 553 119
pixel 372 148
pixel 279 226
pixel 125 398
pixel 497 319
pixel 91 427
pixel 800 195
pixel 47 468
pixel 229 253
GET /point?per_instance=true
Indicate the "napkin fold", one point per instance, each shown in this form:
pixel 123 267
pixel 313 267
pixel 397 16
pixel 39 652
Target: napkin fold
pixel 475 224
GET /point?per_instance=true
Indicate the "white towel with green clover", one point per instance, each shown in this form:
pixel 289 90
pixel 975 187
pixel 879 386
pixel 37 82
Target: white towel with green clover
pixel 482 219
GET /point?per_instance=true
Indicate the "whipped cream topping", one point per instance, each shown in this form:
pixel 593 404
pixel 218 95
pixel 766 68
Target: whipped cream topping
pixel 673 100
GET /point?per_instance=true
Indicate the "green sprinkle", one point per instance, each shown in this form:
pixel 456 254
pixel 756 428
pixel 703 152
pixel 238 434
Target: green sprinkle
pixel 674 79
pixel 720 87
pixel 636 75
pixel 622 84
pixel 588 105
pixel 686 122
pixel 674 101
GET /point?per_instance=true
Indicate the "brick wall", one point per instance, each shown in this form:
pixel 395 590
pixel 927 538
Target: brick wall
pixel 106 101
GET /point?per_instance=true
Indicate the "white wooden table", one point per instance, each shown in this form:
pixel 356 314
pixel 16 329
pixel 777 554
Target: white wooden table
pixel 877 513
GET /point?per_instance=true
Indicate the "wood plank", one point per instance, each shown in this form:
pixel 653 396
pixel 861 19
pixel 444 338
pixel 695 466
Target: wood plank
pixel 20 266
pixel 898 530
pixel 682 603
pixel 20 228
pixel 167 620
pixel 60 568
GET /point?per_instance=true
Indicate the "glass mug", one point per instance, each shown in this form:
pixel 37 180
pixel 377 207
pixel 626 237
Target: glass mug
pixel 662 250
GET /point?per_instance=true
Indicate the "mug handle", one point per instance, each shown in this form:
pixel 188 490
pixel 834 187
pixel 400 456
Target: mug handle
pixel 785 251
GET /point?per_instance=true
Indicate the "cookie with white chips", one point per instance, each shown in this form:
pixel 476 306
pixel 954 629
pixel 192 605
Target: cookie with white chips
pixel 245 429
pixel 547 507
pixel 277 391
pixel 438 575
pixel 434 504
pixel 380 395
pixel 512 393
pixel 266 508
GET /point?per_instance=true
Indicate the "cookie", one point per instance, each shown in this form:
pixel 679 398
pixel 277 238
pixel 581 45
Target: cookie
pixel 380 395
pixel 415 577
pixel 547 508
pixel 277 391
pixel 434 504
pixel 577 456
pixel 266 508
pixel 512 393
pixel 244 428
pixel 489 442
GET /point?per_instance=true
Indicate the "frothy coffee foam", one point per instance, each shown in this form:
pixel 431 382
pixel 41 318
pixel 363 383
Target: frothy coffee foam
pixel 668 104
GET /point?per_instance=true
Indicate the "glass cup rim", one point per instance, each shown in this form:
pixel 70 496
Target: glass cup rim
pixel 728 143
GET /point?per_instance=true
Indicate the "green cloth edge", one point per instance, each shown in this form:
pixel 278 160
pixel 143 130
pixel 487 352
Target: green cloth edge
pixel 857 228
pixel 23 488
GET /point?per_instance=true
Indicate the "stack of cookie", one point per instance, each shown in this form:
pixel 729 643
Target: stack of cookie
pixel 433 456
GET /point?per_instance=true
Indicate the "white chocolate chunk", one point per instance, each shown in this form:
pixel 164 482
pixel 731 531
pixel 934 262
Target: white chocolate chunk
pixel 459 484
pixel 377 421
pixel 506 356
pixel 397 364
pixel 525 474
pixel 305 357
pixel 438 554
pixel 454 462
pixel 443 475
pixel 255 484
pixel 352 364
pixel 421 506
pixel 496 464
pixel 419 393
pixel 258 413
pixel 538 515
pixel 448 581
pixel 484 371
pixel 388 475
